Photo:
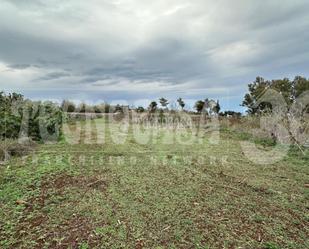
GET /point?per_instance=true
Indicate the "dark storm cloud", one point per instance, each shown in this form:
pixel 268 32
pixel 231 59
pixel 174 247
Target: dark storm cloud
pixel 176 47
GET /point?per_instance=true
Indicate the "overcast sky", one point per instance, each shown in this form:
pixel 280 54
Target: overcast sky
pixel 144 49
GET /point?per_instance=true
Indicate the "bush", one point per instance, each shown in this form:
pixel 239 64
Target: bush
pixel 41 121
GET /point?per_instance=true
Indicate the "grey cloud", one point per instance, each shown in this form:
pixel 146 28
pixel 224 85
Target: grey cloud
pixel 26 3
pixel 98 43
pixel 109 83
pixel 281 12
pixel 166 59
pixel 53 76
pixel 19 66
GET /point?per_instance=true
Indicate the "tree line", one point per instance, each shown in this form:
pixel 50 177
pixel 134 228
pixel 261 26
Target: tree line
pixel 290 90
pixel 42 119
pixel 208 106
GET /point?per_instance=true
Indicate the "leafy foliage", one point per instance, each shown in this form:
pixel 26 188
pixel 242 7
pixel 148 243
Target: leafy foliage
pixel 24 118
pixel 140 109
pixel 68 106
pixel 209 106
pixel 217 107
pixel 199 105
pixel 181 103
pixel 289 90
pixel 163 102
pixel 152 106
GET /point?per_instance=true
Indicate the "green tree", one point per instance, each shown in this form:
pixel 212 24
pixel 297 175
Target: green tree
pixel 285 88
pixel 37 120
pixel 164 102
pixel 199 106
pixel 152 106
pixel 140 109
pixel 181 103
pixel 68 106
pixel 82 108
pixel 300 85
pixel 119 108
pixel 217 107
pixel 256 90
pixel 289 90
pixel 98 108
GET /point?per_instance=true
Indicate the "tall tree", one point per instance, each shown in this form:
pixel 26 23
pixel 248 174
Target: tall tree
pixel 256 90
pixel 210 106
pixel 181 103
pixel 217 107
pixel 199 106
pixel 207 103
pixel 284 87
pixel 289 90
pixel 163 102
pixel 152 106
pixel 300 85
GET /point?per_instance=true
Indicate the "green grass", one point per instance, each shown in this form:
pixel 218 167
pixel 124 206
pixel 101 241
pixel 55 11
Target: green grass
pixel 152 195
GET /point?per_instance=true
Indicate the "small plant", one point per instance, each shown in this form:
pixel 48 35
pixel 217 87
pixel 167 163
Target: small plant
pixel 258 219
pixel 271 245
pixel 84 245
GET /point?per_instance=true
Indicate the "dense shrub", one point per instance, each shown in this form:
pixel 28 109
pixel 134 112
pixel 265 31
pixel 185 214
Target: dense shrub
pixel 40 121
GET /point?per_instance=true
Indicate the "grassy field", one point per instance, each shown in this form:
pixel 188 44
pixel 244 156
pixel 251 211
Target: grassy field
pixel 159 194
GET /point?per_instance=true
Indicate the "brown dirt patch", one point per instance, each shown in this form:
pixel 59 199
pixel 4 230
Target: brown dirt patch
pixel 36 225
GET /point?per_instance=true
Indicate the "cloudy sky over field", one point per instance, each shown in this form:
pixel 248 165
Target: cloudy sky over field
pixel 137 49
